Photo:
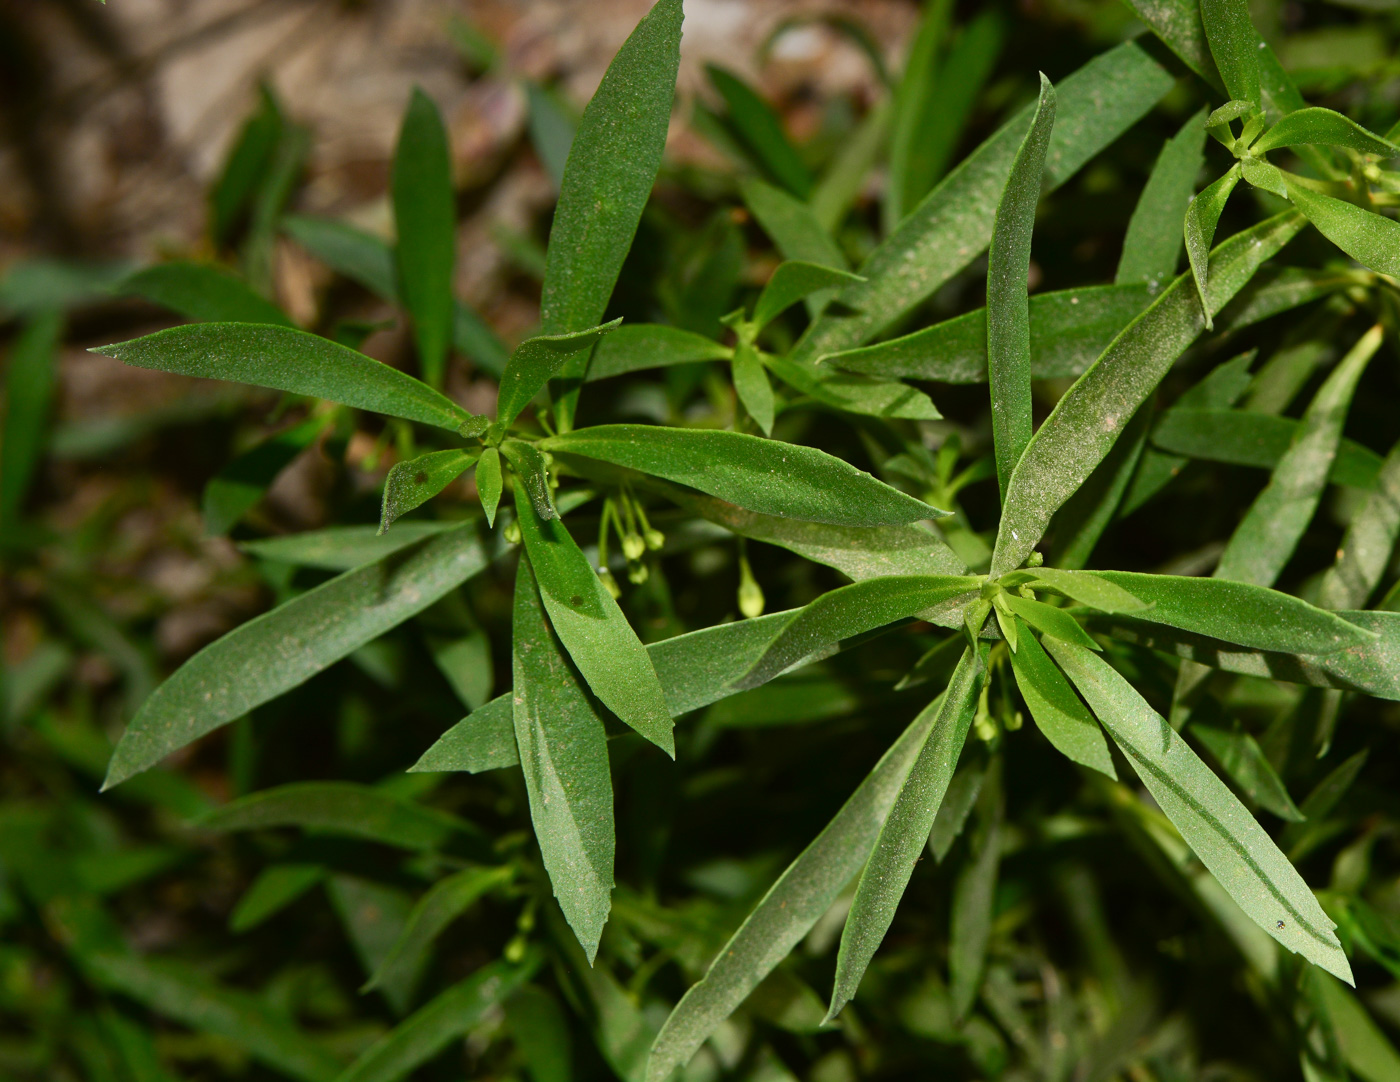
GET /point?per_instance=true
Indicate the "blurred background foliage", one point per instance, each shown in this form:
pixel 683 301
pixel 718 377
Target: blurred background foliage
pixel 140 517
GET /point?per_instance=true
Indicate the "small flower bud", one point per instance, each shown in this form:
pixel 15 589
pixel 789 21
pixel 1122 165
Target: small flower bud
pixel 654 538
pixel 637 574
pixel 512 534
pixel 633 546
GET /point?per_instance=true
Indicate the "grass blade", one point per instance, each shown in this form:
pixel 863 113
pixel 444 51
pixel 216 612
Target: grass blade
pixel 1152 247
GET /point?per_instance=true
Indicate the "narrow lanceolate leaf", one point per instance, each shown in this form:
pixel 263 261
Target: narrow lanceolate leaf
pixel 534 361
pixel 1152 247
pixel 448 899
pixel 203 292
pixel 752 386
pixel 1057 711
pixel 362 257
pixel 1049 619
pixel 1069 329
pixel 854 393
pixel 1371 239
pixel 1237 612
pixel 1234 44
pixel 1236 850
pixel 762 133
pixel 290 360
pixel 532 470
pixel 612 164
pixel 1087 420
pixel 286 647
pixel 330 807
pixel 29 385
pixel 953 225
pixel 413 483
pixel 1241 757
pixel 791 282
pixel 239 486
pixel 1088 588
pixel 430 1029
pixel 853 610
pixel 343 548
pixel 974 896
pixel 1202 216
pixel 1314 125
pixel 634 347
pixel 1263 543
pixel 564 757
pixel 1368 544
pixel 802 894
pixel 1008 307
pixel 593 630
pixel 489 482
pixel 915 110
pixel 761 475
pixel 905 831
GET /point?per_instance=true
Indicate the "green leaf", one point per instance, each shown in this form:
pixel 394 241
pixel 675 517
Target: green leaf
pixel 610 171
pixel 1314 125
pixel 855 393
pixel 443 903
pixel 362 257
pixel 1236 612
pixel 1274 524
pixel 791 282
pixel 203 292
pixel 238 487
pixel 290 360
pixel 372 915
pixel 1370 539
pixel 1178 24
pixel 1371 239
pixel 1058 713
pixel 29 386
pixel 957 804
pixel 415 481
pixel 635 347
pixel 1236 850
pixel 1264 176
pixel 489 482
pixel 1087 420
pixel 761 475
pixel 342 548
pixel 345 809
pixel 752 386
pixel 540 1030
pixel 1049 619
pixel 532 469
pixel 1202 216
pixel 1069 329
pixel 761 131
pixel 853 610
pixel 1365 1047
pixel 276 887
pixel 1240 756
pixel 1008 306
pixel 952 226
pixel 1090 588
pixel 1234 47
pixel 1152 248
pixel 247 162
pixel 593 630
pixel 787 912
pixel 564 756
pixel 906 829
pixel 974 895
pixel 283 648
pixel 534 361
pixel 1081 522
pixel 448 1017
pixel 1246 438
pixel 915 109
pixel 426 219
pixel 552 127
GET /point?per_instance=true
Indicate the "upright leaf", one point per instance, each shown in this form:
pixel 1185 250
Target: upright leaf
pixel 426 219
pixel 29 382
pixel 1008 306
pixel 593 630
pixel 1234 44
pixel 246 163
pixel 1370 539
pixel 915 107
pixel 532 471
pixel 1152 246
pixel 1058 713
pixel 534 361
pixel 489 482
pixel 1371 239
pixel 414 482
pixel 906 829
pixel 1236 850
pixel 752 386
pixel 564 757
pixel 772 478
pixel 203 292
pixel 541 1032
pixel 761 130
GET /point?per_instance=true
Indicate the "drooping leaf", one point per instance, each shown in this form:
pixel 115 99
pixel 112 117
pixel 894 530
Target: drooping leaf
pixel 1234 47
pixel 1086 422
pixel 1236 850
pixel 286 647
pixel 1371 239
pixel 752 386
pixel 953 225
pixel 761 131
pixel 1069 329
pixel 1314 125
pixel 203 292
pixel 853 610
pixel 791 282
pixel 489 482
pixel 788 480
pixel 239 486
pixel 593 630
pixel 415 481
pixel 635 347
pixel 276 887
pixel 974 895
pixel 1202 216
pixel 787 912
pixel 1240 756
pixel 1008 306
pixel 534 361
pixel 29 385
pixel 1370 539
pixel 564 757
pixel 290 360
pixel 1057 710
pixel 906 829
pixel 1152 247
pixel 1274 524
pixel 424 214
